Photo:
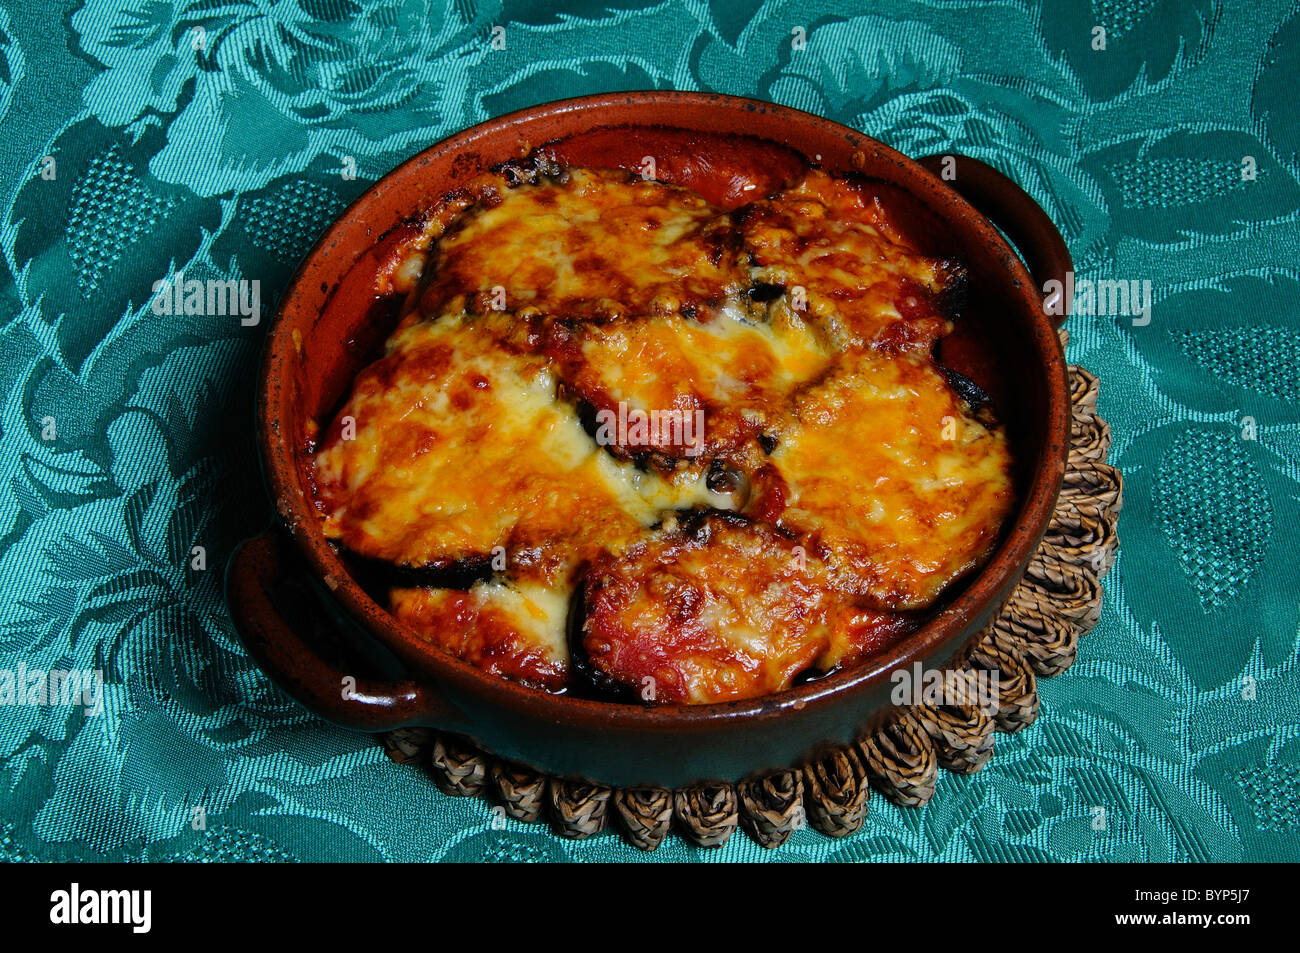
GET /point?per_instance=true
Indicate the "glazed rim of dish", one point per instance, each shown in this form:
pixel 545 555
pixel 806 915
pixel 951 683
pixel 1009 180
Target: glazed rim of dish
pixel 352 235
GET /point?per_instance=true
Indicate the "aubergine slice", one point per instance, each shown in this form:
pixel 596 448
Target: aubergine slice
pixel 979 402
pixel 670 389
pixel 452 448
pixel 620 245
pixel 825 250
pixel 718 608
pixel 515 630
pixel 902 487
pixel 378 575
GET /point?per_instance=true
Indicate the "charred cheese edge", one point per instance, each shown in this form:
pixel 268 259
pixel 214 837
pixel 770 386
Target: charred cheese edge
pixel 837 257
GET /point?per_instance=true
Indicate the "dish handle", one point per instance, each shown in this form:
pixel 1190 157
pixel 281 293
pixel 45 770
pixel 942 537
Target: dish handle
pixel 258 580
pixel 1023 220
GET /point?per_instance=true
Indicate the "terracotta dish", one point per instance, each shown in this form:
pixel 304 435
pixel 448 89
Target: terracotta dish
pixel 301 607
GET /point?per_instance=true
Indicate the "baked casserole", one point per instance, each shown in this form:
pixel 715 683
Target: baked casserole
pixel 629 444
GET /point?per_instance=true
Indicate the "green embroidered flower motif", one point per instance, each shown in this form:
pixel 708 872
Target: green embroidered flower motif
pixel 94 239
pixel 1213 509
pixel 1206 560
pixel 1256 774
pixel 273 227
pixel 1207 183
pixel 258 89
pixel 1273 99
pixel 850 67
pixel 1141 42
pixel 1243 362
pixel 225 845
pixel 506 847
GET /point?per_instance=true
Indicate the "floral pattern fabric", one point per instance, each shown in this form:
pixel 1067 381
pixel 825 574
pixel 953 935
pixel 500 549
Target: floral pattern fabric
pixel 149 137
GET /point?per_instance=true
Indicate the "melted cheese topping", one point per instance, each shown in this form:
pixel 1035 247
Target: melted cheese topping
pixel 857 278
pixel 800 327
pixel 898 486
pixel 451 446
pixel 516 630
pixel 722 611
pixel 598 244
pixel 737 371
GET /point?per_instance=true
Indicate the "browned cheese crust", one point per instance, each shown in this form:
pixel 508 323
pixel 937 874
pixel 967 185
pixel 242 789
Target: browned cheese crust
pixel 722 610
pixel 594 244
pixel 498 431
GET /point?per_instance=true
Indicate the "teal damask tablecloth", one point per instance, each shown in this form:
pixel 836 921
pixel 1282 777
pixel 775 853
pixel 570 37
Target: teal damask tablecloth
pixel 146 137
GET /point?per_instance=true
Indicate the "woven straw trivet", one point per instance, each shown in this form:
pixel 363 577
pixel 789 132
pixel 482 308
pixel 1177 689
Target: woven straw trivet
pixel 1035 636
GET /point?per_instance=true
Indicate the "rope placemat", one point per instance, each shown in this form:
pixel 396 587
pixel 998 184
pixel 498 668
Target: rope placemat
pixel 1035 636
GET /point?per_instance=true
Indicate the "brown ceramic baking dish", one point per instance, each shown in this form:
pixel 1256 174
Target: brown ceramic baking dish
pixel 314 630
